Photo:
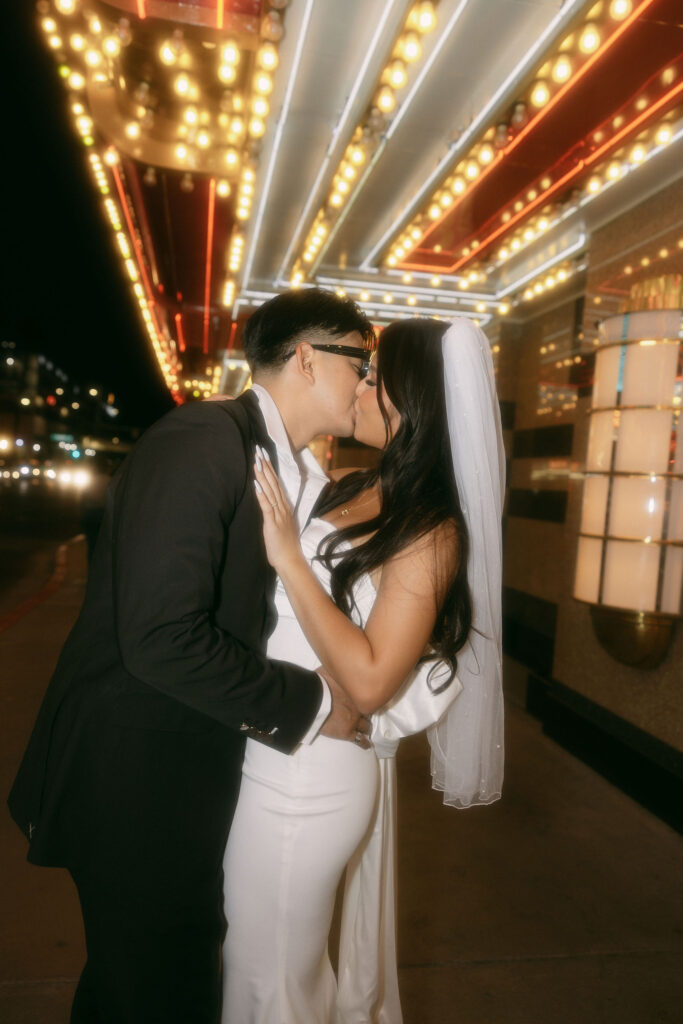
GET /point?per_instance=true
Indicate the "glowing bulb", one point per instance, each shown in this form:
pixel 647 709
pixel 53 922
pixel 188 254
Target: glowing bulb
pixel 76 80
pixel 357 156
pixel 49 25
pixel 237 125
pixel 93 58
pixel 227 73
pixel 111 46
pixel 459 185
pixel 637 154
pixel 594 184
pixel 385 99
pixel 336 199
pixel 446 199
pixel 472 170
pixel 620 9
pixel 426 16
pixel 232 157
pixel 434 211
pixel 396 74
pixel 590 39
pixel 132 130
pixel 181 151
pixel 435 281
pixel 77 42
pixel 257 127
pixel 263 83
pixel 65 6
pixel 562 69
pixel 191 115
pixel 348 171
pixel 182 84
pixel 260 106
pixel 203 140
pixel 663 135
pixel 410 47
pixel 485 154
pixel 614 171
pixel 267 57
pixel 167 54
pixel 503 308
pixel 540 94
pixel 230 53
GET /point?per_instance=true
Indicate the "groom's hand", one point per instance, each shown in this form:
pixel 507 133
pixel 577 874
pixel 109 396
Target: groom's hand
pixel 345 721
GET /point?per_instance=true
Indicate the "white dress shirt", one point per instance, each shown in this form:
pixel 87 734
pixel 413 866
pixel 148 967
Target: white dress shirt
pixel 302 480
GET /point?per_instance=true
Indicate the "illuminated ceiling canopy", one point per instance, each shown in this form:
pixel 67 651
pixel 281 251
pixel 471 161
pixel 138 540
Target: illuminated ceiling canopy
pixel 441 158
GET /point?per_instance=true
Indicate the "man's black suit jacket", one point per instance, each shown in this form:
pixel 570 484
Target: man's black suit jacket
pixel 170 640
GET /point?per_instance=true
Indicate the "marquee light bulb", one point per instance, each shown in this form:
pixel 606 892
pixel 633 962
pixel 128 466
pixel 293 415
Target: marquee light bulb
pixel 590 39
pixel 410 47
pixel 620 9
pixel 230 53
pixel 562 69
pixel 263 83
pixel 267 57
pixel 540 94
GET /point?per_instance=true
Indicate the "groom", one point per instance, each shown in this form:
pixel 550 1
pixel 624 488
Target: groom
pixel 133 769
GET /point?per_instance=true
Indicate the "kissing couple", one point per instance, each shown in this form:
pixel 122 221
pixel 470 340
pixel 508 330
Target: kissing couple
pixel 217 740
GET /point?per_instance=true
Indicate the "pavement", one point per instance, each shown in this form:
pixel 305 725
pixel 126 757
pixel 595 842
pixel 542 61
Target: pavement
pixel 561 904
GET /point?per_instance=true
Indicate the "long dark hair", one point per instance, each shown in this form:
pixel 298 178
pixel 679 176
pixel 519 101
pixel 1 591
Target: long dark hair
pixel 416 483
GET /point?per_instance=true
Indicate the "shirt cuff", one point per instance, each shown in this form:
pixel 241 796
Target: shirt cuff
pixel 323 712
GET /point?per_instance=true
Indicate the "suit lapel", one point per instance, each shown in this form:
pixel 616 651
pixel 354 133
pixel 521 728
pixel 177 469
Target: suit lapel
pixel 257 424
pixel 259 435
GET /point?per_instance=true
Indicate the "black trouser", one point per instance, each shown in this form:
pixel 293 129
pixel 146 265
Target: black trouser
pixel 150 878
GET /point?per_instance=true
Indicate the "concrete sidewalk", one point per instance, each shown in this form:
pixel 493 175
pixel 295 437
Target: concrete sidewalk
pixel 562 904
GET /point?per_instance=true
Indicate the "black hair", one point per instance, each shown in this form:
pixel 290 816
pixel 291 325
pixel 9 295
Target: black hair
pixel 416 482
pixel 277 327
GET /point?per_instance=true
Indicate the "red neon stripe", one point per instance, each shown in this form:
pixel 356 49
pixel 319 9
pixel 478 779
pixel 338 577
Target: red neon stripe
pixel 209 248
pixel 543 198
pixel 233 332
pixel 539 117
pixel 181 334
pixel 617 34
pixel 220 5
pixel 142 12
pixel 645 116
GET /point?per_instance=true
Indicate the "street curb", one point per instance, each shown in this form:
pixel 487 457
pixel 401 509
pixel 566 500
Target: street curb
pixel 53 584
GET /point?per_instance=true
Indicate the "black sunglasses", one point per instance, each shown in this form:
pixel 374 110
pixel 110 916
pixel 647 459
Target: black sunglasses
pixel 345 350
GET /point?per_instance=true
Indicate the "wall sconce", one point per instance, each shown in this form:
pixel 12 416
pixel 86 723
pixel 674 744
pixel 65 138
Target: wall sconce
pixel 629 565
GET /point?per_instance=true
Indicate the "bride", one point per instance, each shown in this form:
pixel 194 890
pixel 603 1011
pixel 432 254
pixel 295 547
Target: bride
pixel 401 566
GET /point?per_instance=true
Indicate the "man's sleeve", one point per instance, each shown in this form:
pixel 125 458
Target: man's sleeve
pixel 173 507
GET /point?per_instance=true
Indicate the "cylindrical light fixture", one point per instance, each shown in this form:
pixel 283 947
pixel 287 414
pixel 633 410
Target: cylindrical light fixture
pixel 630 553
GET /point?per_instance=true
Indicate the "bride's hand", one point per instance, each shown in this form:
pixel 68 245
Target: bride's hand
pixel 280 530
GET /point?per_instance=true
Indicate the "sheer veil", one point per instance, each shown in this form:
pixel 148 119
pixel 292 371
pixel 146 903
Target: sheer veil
pixel 467 744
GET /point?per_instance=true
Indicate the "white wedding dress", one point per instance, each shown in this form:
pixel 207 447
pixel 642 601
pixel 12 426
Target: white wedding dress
pixel 300 819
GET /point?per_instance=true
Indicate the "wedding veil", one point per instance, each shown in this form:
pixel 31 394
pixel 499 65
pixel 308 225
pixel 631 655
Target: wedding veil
pixel 467 744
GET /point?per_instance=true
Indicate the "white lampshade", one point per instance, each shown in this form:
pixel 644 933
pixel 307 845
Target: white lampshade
pixel 629 554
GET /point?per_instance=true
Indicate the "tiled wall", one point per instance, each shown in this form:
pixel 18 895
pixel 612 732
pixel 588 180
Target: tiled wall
pixel 544 379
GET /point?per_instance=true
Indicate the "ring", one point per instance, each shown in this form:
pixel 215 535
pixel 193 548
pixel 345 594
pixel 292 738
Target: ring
pixel 358 738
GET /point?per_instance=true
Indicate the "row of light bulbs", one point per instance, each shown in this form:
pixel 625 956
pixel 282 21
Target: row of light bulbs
pixel 366 297
pixel 97 48
pixel 613 170
pixel 165 357
pixel 407 50
pixel 552 76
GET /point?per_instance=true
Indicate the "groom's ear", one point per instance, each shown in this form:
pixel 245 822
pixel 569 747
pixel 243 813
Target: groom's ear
pixel 304 358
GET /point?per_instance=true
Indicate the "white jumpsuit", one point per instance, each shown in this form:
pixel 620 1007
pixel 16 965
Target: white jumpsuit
pixel 300 818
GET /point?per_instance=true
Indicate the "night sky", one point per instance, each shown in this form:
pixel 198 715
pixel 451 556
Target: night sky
pixel 63 292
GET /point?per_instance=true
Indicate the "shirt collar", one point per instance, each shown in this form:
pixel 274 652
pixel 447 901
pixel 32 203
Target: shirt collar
pixel 304 463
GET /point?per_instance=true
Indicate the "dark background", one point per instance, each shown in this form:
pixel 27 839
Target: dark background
pixel 63 293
